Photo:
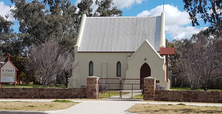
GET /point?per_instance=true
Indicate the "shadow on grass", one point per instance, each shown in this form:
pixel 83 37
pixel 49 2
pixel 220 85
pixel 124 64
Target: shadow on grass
pixel 187 111
pixel 21 112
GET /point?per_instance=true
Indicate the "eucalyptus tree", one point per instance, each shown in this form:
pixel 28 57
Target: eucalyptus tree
pixel 41 23
pixel 105 8
pixel 209 11
pixel 9 42
pixel 85 7
pixel 5 25
pixel 4 33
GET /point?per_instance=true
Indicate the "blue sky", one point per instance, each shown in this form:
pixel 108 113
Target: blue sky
pixel 178 25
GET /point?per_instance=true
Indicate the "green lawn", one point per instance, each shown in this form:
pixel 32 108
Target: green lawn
pixel 30 86
pixel 140 96
pixel 186 88
pixel 62 101
pixel 111 93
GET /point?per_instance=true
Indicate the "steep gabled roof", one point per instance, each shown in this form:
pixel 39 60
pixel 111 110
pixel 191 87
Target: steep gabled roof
pixel 144 43
pixel 119 34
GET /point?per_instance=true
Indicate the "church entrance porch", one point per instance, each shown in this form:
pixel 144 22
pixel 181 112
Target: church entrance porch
pixel 115 88
pixel 145 71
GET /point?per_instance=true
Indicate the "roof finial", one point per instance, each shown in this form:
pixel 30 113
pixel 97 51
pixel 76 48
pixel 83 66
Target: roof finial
pixel 9 56
pixel 163 5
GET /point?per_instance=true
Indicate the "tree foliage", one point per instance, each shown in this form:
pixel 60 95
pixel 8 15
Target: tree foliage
pixel 85 7
pixel 5 30
pixel 105 9
pixel 5 26
pixel 208 10
pixel 41 24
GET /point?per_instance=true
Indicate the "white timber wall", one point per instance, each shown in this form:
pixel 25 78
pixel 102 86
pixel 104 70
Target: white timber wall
pixel 104 66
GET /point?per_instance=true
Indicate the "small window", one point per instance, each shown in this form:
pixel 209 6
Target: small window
pixel 118 69
pixel 90 68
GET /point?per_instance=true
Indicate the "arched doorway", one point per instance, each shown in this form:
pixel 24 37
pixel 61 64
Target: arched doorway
pixel 145 71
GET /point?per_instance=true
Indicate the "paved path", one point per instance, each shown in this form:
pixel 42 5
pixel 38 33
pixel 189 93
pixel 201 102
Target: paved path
pixel 112 107
pixel 97 106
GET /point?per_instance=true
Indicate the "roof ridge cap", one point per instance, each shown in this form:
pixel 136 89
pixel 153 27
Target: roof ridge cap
pixel 127 17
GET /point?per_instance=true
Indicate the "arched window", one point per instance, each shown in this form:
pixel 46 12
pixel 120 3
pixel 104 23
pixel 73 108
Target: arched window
pixel 90 68
pixel 118 69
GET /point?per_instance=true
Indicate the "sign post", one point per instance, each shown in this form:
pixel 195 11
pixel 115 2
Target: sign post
pixel 167 51
pixel 8 72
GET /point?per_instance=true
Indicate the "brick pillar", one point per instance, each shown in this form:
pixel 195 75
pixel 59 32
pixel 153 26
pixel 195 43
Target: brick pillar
pixel 149 88
pixel 92 91
pixel 219 97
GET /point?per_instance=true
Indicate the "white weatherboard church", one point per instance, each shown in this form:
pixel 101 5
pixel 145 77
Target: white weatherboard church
pixel 120 47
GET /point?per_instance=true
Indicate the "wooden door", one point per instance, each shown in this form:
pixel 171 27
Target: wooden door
pixel 145 71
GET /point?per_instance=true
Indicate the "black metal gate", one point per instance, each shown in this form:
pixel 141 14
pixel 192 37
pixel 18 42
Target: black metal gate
pixel 109 87
pixel 125 88
pixel 131 88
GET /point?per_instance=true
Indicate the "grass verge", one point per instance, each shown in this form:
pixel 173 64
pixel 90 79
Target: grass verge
pixel 186 88
pixel 36 106
pixel 181 104
pixel 140 96
pixel 173 109
pixel 62 101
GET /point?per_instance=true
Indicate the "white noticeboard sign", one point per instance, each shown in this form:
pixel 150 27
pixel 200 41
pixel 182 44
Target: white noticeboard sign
pixel 8 73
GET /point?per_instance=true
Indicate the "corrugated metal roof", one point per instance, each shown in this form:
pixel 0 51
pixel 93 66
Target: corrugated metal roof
pixel 119 34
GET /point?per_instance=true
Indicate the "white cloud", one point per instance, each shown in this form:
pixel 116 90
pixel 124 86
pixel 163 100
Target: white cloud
pixel 77 1
pixel 5 10
pixel 177 22
pixel 126 3
pixel 179 32
pixel 119 3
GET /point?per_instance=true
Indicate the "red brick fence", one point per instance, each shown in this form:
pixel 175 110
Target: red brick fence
pixel 41 93
pixel 189 96
pixel 150 93
pixel 53 93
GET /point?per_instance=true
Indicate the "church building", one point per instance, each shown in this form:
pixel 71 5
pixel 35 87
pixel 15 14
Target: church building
pixel 120 47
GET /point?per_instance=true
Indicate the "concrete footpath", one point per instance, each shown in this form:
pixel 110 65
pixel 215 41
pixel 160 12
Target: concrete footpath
pixel 97 106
